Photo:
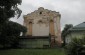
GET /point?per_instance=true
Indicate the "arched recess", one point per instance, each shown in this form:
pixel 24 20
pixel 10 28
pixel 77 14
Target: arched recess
pixel 30 28
pixel 51 27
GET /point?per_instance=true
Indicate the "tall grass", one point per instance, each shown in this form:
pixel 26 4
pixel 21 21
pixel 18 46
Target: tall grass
pixel 32 52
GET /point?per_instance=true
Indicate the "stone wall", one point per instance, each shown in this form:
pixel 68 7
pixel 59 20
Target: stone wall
pixel 34 43
pixel 43 22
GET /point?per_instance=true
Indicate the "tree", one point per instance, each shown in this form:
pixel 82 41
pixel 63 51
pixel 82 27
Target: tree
pixel 65 31
pixel 8 9
pixel 9 31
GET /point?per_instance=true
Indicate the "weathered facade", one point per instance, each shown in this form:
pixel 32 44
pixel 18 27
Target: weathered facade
pixel 44 23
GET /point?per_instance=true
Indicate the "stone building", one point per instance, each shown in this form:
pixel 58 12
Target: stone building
pixel 43 28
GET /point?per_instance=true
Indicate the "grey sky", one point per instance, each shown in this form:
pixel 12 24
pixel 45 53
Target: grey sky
pixel 72 11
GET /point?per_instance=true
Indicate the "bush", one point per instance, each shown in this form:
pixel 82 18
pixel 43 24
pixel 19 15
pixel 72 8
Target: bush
pixel 76 47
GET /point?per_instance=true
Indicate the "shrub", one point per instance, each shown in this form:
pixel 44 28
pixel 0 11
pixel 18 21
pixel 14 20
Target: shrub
pixel 76 47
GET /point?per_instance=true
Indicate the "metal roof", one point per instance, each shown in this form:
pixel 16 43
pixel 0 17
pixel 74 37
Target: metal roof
pixel 80 26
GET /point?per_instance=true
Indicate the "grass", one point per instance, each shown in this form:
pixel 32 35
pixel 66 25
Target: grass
pixel 32 52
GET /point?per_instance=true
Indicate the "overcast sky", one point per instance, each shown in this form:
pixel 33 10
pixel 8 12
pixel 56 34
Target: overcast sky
pixel 72 11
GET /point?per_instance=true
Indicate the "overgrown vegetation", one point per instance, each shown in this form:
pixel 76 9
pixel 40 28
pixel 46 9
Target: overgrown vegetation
pixel 76 46
pixel 9 31
pixel 8 9
pixel 10 34
pixel 65 31
pixel 33 52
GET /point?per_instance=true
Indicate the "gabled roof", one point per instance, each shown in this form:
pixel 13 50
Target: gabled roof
pixel 80 26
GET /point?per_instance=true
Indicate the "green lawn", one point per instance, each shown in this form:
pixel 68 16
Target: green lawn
pixel 32 52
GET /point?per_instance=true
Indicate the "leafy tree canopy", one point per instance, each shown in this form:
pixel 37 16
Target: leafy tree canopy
pixel 12 28
pixel 10 31
pixel 65 30
pixel 8 8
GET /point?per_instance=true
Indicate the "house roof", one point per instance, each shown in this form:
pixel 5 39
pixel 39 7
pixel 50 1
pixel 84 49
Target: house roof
pixel 80 26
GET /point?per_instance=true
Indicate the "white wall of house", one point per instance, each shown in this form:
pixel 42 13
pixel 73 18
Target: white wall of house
pixel 75 34
pixel 67 39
